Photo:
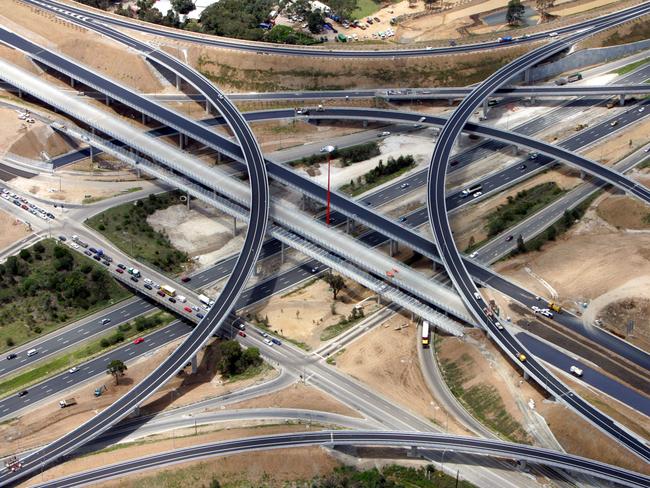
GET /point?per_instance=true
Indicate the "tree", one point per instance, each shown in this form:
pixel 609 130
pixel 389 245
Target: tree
pixel 214 483
pixel 315 21
pixel 117 369
pixel 39 248
pixel 25 255
pixel 231 353
pixel 543 6
pixel 236 18
pixel 336 282
pixel 521 245
pixel 343 7
pixel 515 12
pixel 567 219
pixel 183 7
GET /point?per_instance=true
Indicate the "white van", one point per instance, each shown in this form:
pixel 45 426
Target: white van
pixel 181 298
pixel 31 352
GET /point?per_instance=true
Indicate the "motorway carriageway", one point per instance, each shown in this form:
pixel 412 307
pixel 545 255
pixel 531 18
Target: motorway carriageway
pixel 453 261
pixel 604 383
pixel 495 181
pixel 84 15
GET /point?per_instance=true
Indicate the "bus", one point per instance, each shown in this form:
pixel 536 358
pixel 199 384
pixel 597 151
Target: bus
pixel 425 334
pixel 168 290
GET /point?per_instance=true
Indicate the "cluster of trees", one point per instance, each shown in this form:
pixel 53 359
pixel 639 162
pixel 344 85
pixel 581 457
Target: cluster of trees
pixel 392 166
pixel 569 218
pixel 283 34
pixel 515 11
pixel 236 360
pixel 392 476
pixel 347 155
pixel 521 205
pixel 54 280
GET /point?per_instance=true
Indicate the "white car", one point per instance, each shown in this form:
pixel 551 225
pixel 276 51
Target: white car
pixel 478 296
pixel 385 133
pixel 535 308
pixel 477 194
pixel 474 254
pixel 553 34
pixel 73 369
pixel 268 342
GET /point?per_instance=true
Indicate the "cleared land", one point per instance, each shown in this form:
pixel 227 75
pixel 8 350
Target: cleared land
pixel 10 229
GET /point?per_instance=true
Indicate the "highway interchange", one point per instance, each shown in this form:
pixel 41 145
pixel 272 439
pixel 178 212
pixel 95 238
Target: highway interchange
pixel 255 236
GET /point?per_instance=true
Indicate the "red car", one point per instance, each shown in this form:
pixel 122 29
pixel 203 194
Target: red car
pixel 138 340
pixel 161 293
pixel 242 333
pixel 119 270
pixel 185 279
pixel 187 309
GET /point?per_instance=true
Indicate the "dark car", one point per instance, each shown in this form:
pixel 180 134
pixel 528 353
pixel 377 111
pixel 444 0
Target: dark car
pixel 148 287
pixel 200 315
pixel 172 299
pixel 92 250
pixel 13 355
pixel 161 293
pixel 521 167
pixel 402 219
pixel 275 341
pixel 454 163
pixel 185 279
pixel 106 263
pixel 134 279
pixel 96 257
pixel 121 266
pixel 22 393
pixel 63 238
pixel 108 258
pixel 50 215
pixel 508 239
pixel 88 253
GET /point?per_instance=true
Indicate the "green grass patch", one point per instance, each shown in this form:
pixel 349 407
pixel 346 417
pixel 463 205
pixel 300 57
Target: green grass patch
pixel 82 354
pixel 365 8
pixel 630 67
pixel 346 155
pixel 47 286
pixel 127 227
pixel 344 324
pixel 92 199
pixel 482 400
pixel 645 164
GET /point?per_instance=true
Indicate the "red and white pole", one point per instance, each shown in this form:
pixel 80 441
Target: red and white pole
pixel 329 163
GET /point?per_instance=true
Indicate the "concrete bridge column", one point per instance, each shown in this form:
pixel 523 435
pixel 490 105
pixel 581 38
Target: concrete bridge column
pixel 144 118
pixel 485 108
pixel 413 452
pixel 181 140
pixel 527 76
pixel 582 174
pixel 218 158
pixel 621 100
pixel 72 82
pixel 526 376
pixel 20 93
pixel 195 366
pixel 234 226
pixel 281 252
pixel 532 99
pixel 207 107
pixel 522 464
pixel 394 247
pixel 178 82
pixel 365 124
pixel 136 411
pixel 187 195
pixel 92 152
pixel 450 101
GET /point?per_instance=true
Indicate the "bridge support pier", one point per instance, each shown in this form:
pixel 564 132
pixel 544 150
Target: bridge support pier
pixel 187 195
pixel 234 226
pixel 108 101
pixel 450 101
pixel 281 253
pixel 207 107
pixel 365 124
pixel 20 93
pixel 350 225
pixel 582 174
pixel 526 376
pixel 522 465
pixel 527 76
pixel 413 452
pixel 621 100
pixel 195 366
pixel 136 411
pixel 533 100
pixel 92 151
pixel 144 118
pixel 394 247
pixel 178 82
pixel 485 108
pixel 72 82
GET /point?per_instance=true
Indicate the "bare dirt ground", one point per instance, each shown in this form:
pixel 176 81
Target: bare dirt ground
pixel 576 263
pixel 471 221
pixel 303 314
pixel 298 395
pixel 44 28
pixel 202 231
pixel 386 360
pixel 264 462
pixel 39 141
pixel 48 421
pixel 266 468
pixel 624 212
pixel 10 231
pixel 75 187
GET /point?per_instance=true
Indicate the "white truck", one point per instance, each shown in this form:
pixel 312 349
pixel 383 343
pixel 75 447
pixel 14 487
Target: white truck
pixel 575 370
pixel 181 298
pixel 204 300
pixel 68 402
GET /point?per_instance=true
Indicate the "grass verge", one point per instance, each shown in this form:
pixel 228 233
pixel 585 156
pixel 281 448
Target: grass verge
pixel 92 199
pixel 344 324
pixel 629 67
pixel 82 354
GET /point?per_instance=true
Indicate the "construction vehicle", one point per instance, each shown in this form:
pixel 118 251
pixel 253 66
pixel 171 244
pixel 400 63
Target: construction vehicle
pixel 100 390
pixel 555 307
pixel 522 357
pixel 68 402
